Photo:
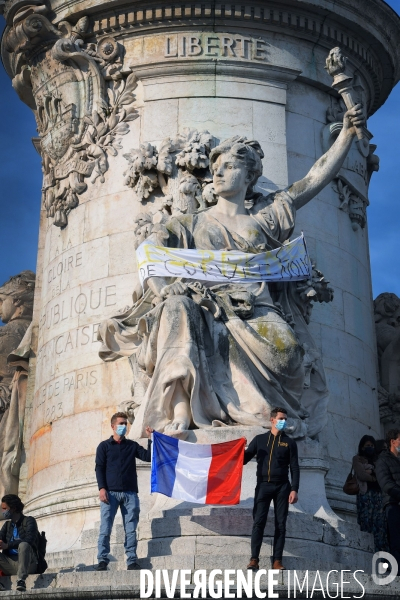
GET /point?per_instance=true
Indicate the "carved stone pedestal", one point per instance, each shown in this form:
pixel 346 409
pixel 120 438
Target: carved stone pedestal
pixel 314 467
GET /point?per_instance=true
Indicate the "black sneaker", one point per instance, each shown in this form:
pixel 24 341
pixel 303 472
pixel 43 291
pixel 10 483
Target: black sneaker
pixel 21 585
pixel 102 566
pixel 133 567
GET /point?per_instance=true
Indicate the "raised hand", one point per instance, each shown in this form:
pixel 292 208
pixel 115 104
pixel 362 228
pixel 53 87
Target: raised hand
pixel 327 167
pixel 149 431
pixel 353 118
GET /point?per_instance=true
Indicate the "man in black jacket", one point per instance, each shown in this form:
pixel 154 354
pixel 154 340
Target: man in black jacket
pixel 387 472
pixel 117 481
pixel 276 453
pixel 18 541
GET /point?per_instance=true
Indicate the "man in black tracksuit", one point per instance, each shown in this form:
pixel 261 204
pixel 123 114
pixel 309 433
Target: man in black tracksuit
pixel 387 471
pixel 276 453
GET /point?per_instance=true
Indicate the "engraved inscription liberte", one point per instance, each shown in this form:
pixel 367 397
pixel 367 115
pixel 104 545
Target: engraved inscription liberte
pixel 215 46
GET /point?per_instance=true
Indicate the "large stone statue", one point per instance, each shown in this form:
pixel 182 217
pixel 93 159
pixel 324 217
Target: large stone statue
pixel 227 354
pixel 387 326
pixel 16 305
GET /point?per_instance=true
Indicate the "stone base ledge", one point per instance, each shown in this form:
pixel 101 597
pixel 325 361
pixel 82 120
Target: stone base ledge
pixel 119 585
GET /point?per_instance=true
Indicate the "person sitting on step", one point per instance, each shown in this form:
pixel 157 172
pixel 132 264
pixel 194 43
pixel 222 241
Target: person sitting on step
pixel 18 541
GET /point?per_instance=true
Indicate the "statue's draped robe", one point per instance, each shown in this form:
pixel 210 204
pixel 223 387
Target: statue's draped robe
pixel 16 352
pixel 234 369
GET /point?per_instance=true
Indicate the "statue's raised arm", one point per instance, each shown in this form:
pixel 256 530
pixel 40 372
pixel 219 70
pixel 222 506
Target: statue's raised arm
pixel 327 167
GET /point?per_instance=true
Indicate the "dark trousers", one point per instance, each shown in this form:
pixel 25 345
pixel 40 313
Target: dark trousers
pixel 24 563
pixel 393 525
pixel 265 492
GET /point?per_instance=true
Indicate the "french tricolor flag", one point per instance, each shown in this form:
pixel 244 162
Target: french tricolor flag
pixel 202 473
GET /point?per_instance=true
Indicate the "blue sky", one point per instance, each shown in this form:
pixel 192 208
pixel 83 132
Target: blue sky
pixel 20 183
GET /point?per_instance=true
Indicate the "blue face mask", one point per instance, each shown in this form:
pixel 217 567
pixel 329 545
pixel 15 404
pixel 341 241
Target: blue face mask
pixel 7 514
pixel 120 430
pixel 281 424
pixel 398 449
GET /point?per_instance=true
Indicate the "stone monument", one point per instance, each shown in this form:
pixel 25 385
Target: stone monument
pixel 16 307
pixel 142 109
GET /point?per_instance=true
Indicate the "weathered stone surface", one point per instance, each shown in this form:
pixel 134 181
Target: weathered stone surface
pixel 261 75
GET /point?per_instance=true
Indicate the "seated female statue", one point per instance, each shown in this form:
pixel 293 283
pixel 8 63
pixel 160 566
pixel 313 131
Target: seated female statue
pixel 231 359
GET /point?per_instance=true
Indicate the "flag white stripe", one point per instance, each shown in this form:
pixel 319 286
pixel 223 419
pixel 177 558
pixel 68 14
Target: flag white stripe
pixel 191 472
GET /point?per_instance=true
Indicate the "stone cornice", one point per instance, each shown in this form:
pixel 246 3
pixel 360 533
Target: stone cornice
pixel 270 73
pixel 373 16
pixel 367 30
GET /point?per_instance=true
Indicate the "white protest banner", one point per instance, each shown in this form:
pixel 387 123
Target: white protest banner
pixel 288 263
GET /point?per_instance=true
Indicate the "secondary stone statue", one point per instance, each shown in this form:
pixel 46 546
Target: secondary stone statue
pixel 387 327
pixel 16 306
pixel 226 354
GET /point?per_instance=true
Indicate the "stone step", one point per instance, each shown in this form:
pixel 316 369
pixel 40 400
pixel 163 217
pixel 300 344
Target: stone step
pixel 118 585
pixel 206 521
pixel 239 523
pixel 196 537
pixel 159 551
pixel 202 552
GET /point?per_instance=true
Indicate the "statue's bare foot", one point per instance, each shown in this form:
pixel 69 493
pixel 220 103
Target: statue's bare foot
pixel 177 429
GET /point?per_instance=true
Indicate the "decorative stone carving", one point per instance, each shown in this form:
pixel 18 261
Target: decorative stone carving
pixel 222 355
pixel 351 203
pixel 387 326
pixel 81 97
pixel 312 290
pixel 16 306
pixel 179 168
pixel 353 178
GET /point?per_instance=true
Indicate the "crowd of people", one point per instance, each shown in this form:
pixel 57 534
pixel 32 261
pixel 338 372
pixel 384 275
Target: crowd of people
pixel 370 512
pixel 376 467
pixel 377 470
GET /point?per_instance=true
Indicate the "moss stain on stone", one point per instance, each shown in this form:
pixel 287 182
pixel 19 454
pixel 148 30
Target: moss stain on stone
pixel 271 334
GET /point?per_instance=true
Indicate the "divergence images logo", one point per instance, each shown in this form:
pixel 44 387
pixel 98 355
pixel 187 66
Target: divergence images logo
pixel 384 568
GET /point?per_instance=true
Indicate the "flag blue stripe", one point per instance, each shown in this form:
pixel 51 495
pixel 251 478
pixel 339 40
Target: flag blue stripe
pixel 164 459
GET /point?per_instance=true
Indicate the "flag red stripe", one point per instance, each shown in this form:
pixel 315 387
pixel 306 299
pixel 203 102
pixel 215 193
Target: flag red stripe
pixel 225 474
